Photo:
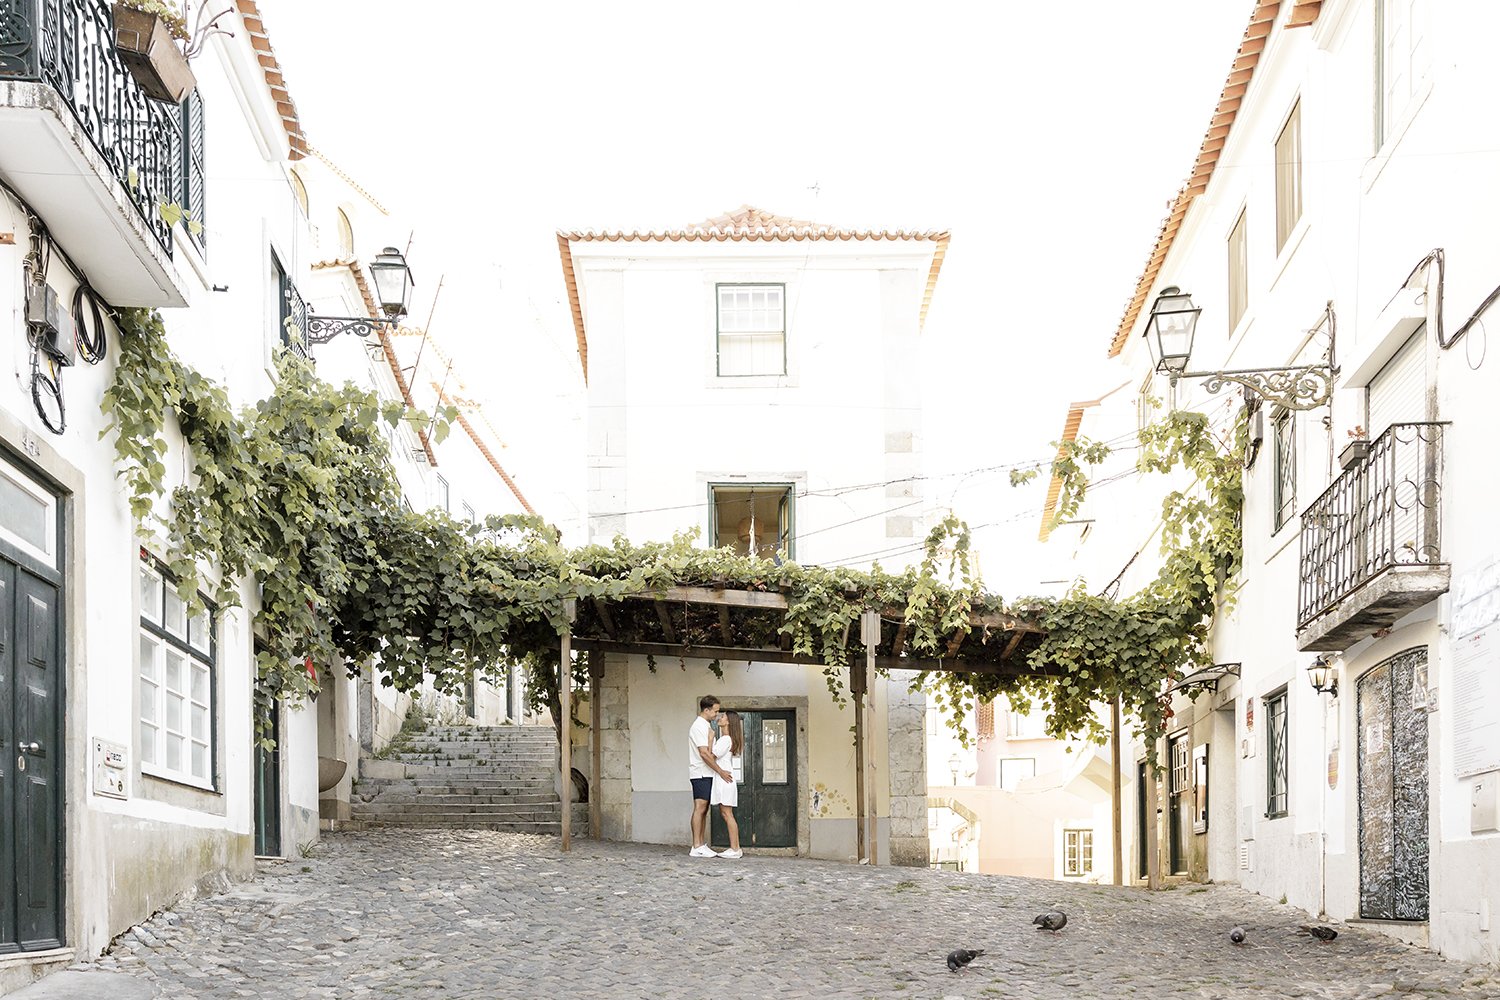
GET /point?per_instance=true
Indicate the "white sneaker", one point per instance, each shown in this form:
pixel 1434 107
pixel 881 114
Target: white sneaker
pixel 733 855
pixel 702 851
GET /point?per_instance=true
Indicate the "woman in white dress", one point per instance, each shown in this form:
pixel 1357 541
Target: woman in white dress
pixel 726 794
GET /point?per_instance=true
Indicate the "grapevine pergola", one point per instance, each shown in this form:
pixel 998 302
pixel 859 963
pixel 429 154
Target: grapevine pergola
pixel 721 623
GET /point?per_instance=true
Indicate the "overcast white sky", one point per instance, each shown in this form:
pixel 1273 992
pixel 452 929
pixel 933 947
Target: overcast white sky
pixel 1049 137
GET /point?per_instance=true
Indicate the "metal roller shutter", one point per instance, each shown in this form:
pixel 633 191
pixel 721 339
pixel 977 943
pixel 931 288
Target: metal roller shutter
pixel 1398 393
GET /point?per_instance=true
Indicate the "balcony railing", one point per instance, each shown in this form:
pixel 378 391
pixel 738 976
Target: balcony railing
pixel 1380 514
pixel 70 46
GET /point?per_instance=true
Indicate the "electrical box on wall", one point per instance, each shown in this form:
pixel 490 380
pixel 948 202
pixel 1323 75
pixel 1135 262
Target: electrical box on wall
pixel 109 769
pixel 1484 808
pixel 50 323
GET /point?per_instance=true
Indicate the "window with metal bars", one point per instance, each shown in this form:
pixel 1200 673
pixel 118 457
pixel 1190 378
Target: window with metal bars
pixel 1276 754
pixel 1285 493
pixel 1078 852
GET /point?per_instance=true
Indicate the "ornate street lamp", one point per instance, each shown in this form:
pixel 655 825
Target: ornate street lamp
pixel 1323 673
pixel 954 763
pixel 1169 337
pixel 392 280
pixel 1169 331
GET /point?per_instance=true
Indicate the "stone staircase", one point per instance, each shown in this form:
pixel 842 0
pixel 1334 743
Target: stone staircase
pixel 470 777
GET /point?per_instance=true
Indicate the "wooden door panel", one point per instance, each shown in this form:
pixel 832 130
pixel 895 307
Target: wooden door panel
pixel 38 744
pixel 8 937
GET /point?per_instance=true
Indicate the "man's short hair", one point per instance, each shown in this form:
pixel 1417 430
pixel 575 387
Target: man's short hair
pixel 706 702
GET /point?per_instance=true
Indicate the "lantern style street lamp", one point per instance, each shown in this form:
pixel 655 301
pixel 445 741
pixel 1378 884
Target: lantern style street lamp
pixel 392 279
pixel 1323 673
pixel 1169 337
pixel 1169 331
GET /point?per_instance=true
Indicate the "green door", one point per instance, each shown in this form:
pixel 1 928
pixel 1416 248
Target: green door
pixel 268 792
pixel 767 813
pixel 31 689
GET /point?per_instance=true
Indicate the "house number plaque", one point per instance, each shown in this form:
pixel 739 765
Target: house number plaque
pixel 773 752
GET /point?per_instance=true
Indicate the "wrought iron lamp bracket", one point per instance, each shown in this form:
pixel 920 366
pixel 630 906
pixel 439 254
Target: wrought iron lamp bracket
pixel 322 329
pixel 1304 387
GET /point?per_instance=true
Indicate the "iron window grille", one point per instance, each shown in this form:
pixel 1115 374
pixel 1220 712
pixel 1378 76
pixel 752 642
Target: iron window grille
pixel 1276 754
pixel 176 678
pixel 291 314
pixel 1284 428
pixel 750 329
pixel 1078 852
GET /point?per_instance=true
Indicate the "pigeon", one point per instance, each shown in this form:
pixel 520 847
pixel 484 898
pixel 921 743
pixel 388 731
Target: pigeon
pixel 1319 931
pixel 1237 935
pixel 960 959
pixel 1052 920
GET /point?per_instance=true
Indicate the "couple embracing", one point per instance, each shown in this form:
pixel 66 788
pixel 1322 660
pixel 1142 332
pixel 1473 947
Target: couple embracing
pixel 711 772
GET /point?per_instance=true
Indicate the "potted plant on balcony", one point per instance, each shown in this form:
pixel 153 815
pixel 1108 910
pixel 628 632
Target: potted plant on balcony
pixel 1356 451
pixel 147 33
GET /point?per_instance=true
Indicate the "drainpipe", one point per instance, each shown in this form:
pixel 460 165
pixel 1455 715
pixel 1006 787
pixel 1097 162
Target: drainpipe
pixel 1323 818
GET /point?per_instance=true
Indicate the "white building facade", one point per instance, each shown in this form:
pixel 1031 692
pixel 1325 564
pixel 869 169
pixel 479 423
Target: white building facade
pixel 1339 209
pixel 129 774
pixel 754 378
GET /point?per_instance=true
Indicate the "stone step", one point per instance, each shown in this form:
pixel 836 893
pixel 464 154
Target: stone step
pixel 445 797
pixel 523 810
pixel 476 759
pixel 553 828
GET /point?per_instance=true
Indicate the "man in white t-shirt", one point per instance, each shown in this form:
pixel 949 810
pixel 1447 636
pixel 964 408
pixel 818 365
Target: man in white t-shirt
pixel 701 770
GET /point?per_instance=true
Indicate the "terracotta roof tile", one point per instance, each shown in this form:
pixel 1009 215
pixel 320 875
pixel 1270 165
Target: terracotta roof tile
pixel 347 179
pixel 256 29
pixel 1071 423
pixel 744 223
pixel 1262 18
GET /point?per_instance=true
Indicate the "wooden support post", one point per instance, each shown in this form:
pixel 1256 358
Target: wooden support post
pixel 1153 836
pixel 565 724
pixel 857 690
pixel 596 740
pixel 1116 793
pixel 870 634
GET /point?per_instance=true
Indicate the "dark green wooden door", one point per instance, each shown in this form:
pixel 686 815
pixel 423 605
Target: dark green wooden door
pixel 31 688
pixel 767 813
pixel 268 793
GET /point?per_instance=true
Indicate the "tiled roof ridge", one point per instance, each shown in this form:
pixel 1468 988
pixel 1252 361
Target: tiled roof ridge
pixel 342 175
pixel 1257 35
pixel 744 223
pixel 484 449
pixel 255 28
pixel 1071 424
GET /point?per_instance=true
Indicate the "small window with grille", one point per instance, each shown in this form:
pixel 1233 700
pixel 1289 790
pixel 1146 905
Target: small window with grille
pixel 1285 493
pixel 1276 754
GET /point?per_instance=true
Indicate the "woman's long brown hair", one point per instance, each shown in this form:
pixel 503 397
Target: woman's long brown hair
pixel 736 733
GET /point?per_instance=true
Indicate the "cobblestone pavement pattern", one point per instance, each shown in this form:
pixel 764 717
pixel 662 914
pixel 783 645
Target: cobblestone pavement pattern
pixel 479 914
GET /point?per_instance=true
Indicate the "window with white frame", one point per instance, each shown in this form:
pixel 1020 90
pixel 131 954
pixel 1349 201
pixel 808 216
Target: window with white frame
pixel 751 329
pixel 1239 274
pixel 1078 852
pixel 1402 57
pixel 1025 725
pixel 1289 176
pixel 469 514
pixel 444 495
pixel 176 681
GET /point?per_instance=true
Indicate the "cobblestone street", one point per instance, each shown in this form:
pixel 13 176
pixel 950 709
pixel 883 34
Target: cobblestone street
pixel 476 914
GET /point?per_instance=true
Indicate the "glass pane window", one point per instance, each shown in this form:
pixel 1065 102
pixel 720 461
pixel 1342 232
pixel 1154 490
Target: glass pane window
pixel 1289 176
pixel 752 520
pixel 1285 492
pixel 1014 770
pixel 751 330
pixel 175 682
pixel 1078 852
pixel 1276 755
pixel 28 514
pixel 1239 278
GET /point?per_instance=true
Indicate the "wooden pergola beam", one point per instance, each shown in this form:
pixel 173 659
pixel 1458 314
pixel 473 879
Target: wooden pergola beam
pixel 772 654
pixel 1010 647
pixel 724 632
pixel 665 618
pixel 605 619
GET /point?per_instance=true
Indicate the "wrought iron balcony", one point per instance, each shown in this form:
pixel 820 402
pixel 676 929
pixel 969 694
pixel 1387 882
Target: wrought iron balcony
pixel 78 136
pixel 1371 545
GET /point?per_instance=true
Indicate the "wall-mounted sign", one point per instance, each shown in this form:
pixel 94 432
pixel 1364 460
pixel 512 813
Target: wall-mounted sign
pixel 1476 703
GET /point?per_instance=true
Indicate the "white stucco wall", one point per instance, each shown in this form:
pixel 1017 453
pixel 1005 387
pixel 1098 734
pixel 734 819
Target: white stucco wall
pixel 1369 216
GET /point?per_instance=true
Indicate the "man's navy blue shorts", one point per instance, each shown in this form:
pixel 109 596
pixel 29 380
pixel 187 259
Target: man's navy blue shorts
pixel 703 788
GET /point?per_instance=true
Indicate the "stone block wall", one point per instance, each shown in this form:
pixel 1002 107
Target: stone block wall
pixel 905 719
